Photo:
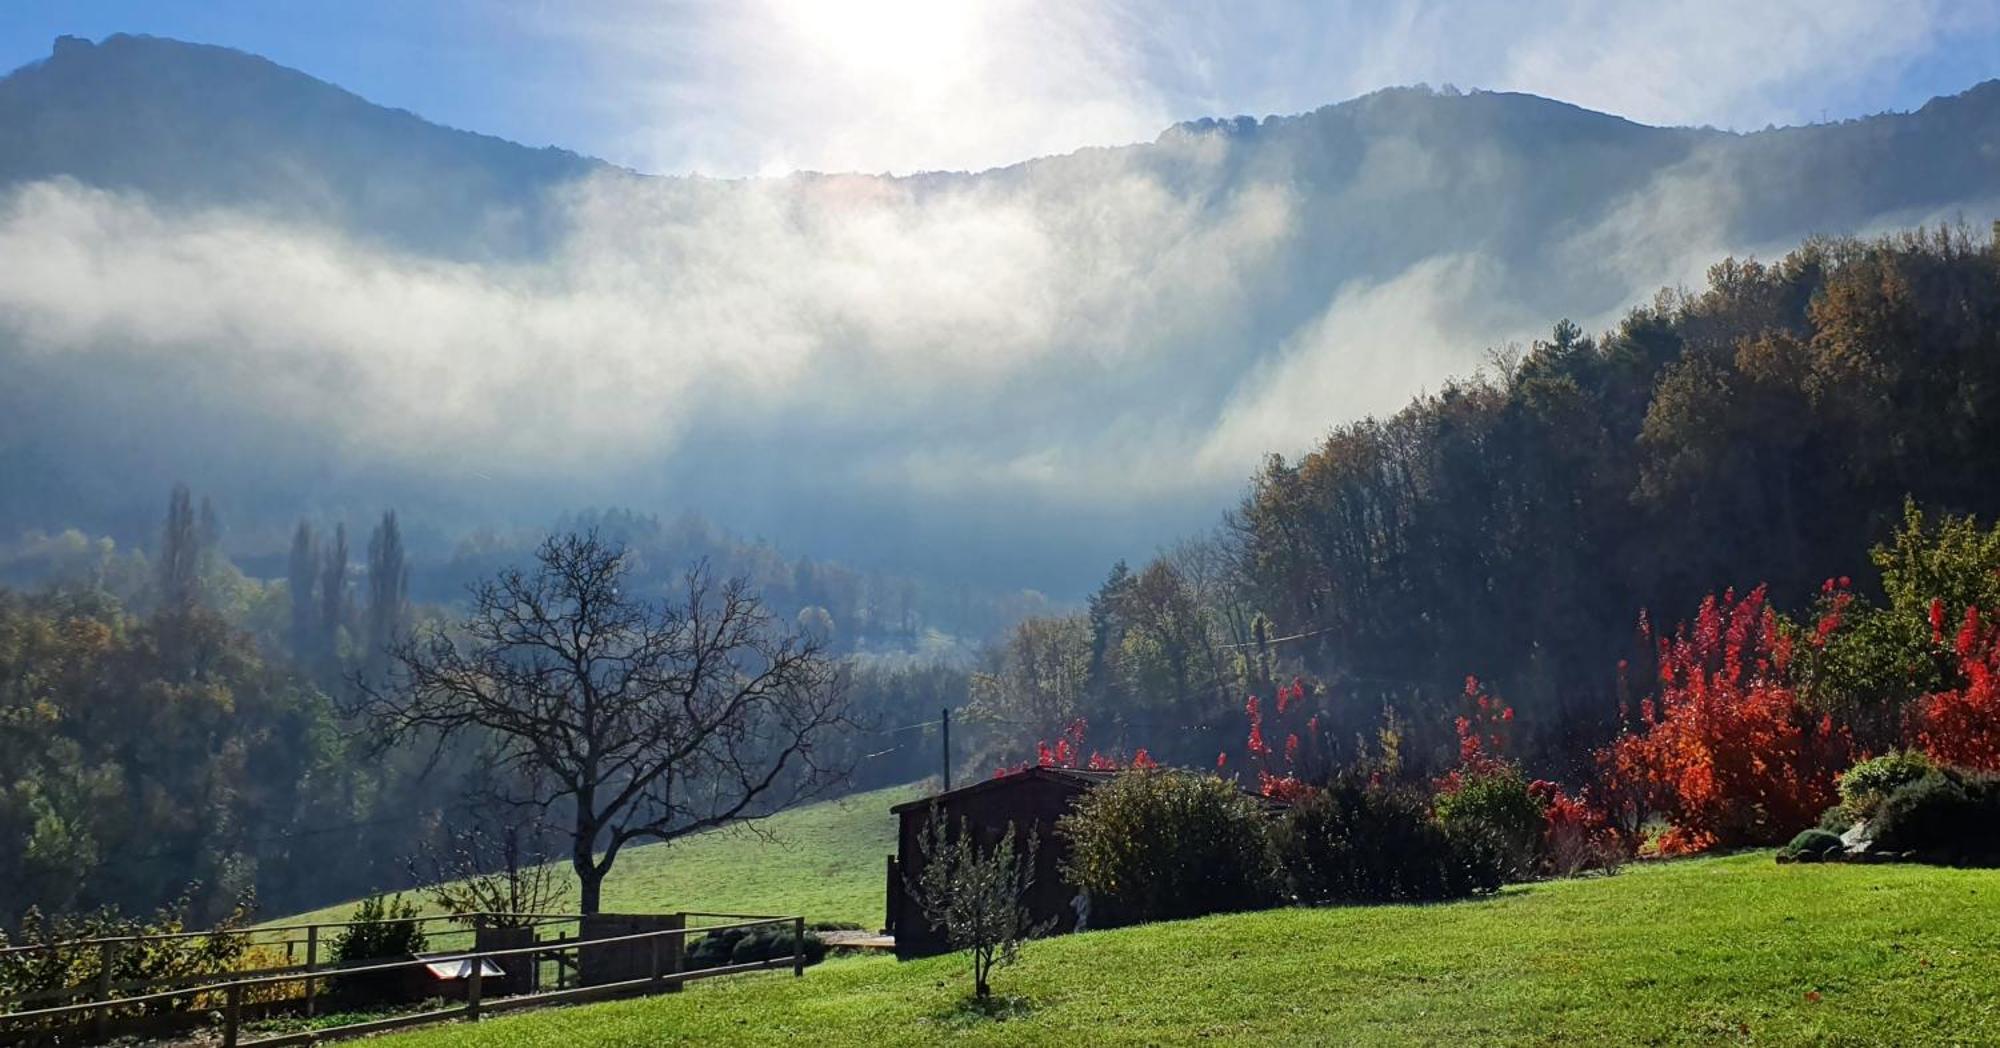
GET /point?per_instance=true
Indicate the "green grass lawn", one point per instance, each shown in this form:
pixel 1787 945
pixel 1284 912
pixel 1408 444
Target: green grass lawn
pixel 823 861
pixel 1729 950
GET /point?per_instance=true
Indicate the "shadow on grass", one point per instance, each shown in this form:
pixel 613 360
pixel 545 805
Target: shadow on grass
pixel 968 1012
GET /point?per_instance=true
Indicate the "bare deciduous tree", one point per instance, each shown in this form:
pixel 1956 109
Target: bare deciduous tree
pixel 645 720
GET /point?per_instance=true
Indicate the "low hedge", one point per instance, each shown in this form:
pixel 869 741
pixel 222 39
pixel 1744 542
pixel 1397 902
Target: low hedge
pixel 1356 842
pixel 1948 816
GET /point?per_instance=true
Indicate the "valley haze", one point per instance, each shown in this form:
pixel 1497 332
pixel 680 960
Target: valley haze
pixel 227 272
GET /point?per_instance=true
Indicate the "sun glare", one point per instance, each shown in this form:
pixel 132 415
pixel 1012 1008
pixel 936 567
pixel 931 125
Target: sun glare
pixel 916 43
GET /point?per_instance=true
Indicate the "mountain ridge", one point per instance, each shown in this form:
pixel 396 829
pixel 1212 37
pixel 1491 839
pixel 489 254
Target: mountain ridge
pixel 116 47
pixel 779 345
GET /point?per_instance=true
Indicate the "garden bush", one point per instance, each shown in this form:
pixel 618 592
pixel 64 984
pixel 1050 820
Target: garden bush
pixel 35 971
pixel 1948 816
pixel 1155 844
pixel 1498 807
pixel 381 927
pixel 1356 842
pixel 744 945
pixel 1813 846
pixel 1961 725
pixel 1865 786
pixel 1576 834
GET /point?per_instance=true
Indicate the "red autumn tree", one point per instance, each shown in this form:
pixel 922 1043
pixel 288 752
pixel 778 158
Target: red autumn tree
pixel 1279 768
pixel 1725 750
pixel 1962 725
pixel 1483 730
pixel 1068 751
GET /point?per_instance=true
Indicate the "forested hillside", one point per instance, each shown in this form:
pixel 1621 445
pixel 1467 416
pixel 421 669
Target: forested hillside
pixel 1519 524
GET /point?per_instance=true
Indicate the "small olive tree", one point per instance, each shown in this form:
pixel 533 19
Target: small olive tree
pixel 973 894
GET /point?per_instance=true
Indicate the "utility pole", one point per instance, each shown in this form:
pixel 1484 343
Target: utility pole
pixel 945 719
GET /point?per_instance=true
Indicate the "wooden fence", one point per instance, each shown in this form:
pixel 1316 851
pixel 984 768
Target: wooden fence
pixel 636 963
pixel 304 946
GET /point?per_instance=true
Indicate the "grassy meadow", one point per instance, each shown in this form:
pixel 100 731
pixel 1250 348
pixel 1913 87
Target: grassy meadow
pixel 823 861
pixel 1724 950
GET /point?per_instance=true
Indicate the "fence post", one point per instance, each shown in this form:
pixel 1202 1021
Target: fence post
pixel 895 896
pixel 798 947
pixel 232 1014
pixel 312 963
pixel 107 956
pixel 653 958
pixel 472 987
pixel 676 961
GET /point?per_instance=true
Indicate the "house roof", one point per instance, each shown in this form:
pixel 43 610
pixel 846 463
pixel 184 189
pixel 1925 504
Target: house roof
pixel 1080 778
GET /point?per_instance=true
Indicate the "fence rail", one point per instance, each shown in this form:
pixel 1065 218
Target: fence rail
pixel 663 973
pixel 252 932
pixel 110 948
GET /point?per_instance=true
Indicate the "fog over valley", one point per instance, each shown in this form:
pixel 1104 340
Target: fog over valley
pixel 229 273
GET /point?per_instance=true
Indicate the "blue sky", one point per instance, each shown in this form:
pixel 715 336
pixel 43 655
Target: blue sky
pixel 762 86
pixel 749 87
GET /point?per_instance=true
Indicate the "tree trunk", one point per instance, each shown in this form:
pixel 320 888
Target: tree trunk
pixel 591 886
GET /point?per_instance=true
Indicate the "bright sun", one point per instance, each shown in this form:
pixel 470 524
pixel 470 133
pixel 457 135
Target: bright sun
pixel 919 44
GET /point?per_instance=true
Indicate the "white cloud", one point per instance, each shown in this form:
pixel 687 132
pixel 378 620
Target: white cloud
pixel 1716 62
pixel 1377 343
pixel 844 309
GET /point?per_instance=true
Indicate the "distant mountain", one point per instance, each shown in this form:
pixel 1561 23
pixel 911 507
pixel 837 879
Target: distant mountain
pixel 192 124
pixel 1028 369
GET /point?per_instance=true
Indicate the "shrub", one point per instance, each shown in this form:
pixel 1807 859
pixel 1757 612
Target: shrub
pixel 1498 806
pixel 745 945
pixel 1948 816
pixel 1813 846
pixel 1531 827
pixel 1727 752
pixel 1576 834
pixel 1281 745
pixel 1357 842
pixel 382 926
pixel 32 971
pixel 1158 844
pixel 1865 786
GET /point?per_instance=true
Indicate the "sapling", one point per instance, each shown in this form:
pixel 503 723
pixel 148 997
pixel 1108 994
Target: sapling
pixel 973 895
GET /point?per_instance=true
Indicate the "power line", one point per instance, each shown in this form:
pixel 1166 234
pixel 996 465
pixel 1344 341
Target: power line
pixel 1280 640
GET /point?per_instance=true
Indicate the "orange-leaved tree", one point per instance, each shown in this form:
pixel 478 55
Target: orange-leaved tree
pixel 1725 750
